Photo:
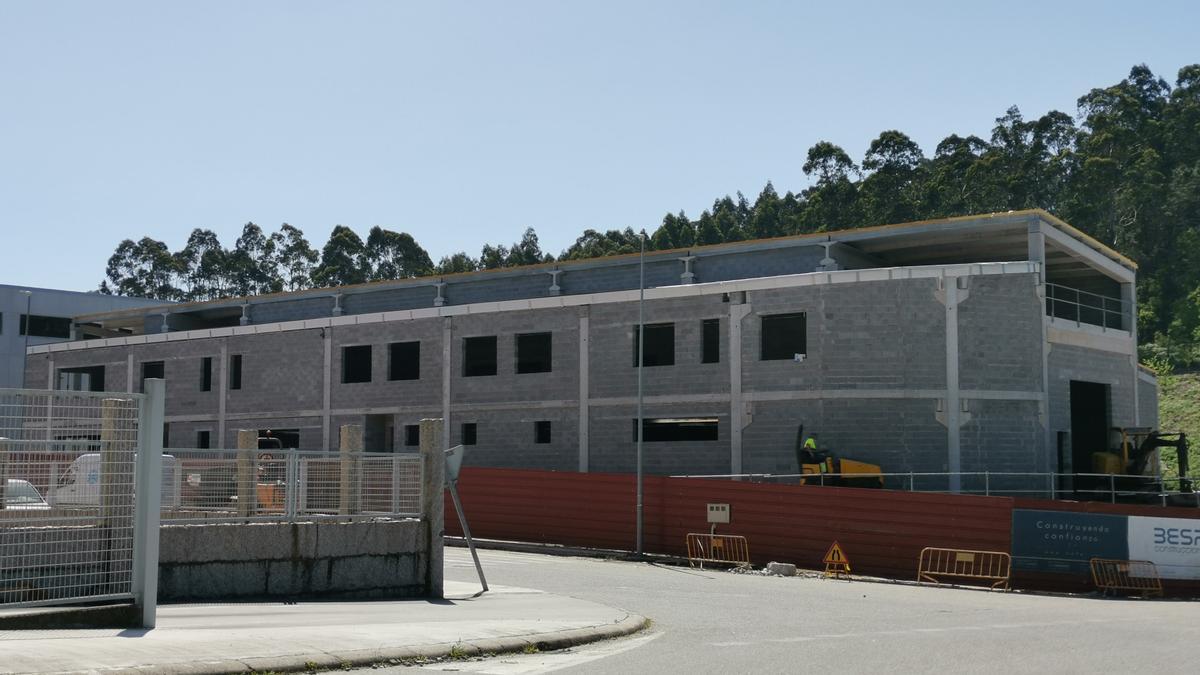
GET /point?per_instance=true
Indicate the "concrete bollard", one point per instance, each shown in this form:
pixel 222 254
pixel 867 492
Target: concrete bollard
pixel 433 501
pixel 350 460
pixel 247 481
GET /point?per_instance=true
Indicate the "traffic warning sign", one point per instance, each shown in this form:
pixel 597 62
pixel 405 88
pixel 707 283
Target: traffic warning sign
pixel 836 562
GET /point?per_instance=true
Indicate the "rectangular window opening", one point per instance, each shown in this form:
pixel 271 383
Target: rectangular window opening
pixel 235 371
pixel 468 433
pixel 203 439
pixel 34 325
pixel 412 435
pixel 710 341
pixel 784 336
pixel 533 353
pixel 152 370
pixel 87 378
pixel 404 361
pixel 479 356
pixel 206 373
pixel 666 430
pixel 356 364
pixel 660 345
pixel 541 431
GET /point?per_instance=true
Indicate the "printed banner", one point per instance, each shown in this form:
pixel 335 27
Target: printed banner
pixel 1172 544
pixel 1064 541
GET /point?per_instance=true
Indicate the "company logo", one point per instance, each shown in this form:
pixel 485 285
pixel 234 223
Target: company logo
pixel 1179 537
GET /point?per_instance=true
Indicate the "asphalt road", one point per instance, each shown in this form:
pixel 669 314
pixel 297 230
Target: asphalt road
pixel 718 622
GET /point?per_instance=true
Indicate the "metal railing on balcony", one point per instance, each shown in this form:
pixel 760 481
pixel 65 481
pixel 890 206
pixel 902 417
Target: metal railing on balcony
pixel 1084 307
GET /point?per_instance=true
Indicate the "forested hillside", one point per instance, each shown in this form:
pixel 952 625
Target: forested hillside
pixel 1125 169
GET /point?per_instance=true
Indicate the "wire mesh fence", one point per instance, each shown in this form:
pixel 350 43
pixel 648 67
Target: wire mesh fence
pixel 67 495
pixel 288 485
pixel 1113 488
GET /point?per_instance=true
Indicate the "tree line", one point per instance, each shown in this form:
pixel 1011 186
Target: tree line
pixel 1125 169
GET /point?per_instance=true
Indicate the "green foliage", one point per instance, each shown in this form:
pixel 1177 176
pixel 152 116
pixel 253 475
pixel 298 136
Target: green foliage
pixel 1179 410
pixel 1128 174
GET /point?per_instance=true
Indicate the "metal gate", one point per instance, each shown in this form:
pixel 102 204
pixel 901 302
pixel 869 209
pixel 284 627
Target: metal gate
pixel 79 496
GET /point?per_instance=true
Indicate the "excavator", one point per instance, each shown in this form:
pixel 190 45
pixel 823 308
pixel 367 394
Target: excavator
pixel 846 472
pixel 1130 460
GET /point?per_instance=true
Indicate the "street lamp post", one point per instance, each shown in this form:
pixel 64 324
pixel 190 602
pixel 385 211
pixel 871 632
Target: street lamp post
pixel 641 351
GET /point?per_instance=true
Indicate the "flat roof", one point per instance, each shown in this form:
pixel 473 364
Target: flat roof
pixel 998 236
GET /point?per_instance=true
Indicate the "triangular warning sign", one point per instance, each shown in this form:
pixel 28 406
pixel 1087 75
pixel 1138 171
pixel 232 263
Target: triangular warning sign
pixel 835 556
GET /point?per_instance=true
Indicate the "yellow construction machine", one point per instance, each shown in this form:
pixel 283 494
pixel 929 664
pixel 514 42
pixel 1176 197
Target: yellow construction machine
pixel 823 467
pixel 1129 461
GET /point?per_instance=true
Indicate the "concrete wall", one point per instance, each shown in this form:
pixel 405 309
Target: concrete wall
pixel 873 385
pixel 44 302
pixel 379 559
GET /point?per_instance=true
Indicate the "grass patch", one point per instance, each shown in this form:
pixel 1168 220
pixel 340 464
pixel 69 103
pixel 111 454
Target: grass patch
pixel 1179 410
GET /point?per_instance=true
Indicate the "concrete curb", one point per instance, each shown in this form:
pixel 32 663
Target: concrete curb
pixel 335 660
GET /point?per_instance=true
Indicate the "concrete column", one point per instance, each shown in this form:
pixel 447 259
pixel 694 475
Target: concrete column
pixel 247 482
pixel 128 374
pixel 447 353
pixel 952 407
pixel 326 387
pixel 433 504
pixel 584 388
pixel 349 476
pixel 1129 299
pixel 222 392
pixel 737 312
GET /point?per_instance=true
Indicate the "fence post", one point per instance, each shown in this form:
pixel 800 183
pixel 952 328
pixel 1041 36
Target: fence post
pixel 433 502
pixel 118 447
pixel 148 502
pixel 291 495
pixel 349 457
pixel 987 485
pixel 4 470
pixel 912 486
pixel 247 482
pixel 1112 488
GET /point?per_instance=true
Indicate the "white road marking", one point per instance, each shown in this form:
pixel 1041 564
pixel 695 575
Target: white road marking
pixel 908 631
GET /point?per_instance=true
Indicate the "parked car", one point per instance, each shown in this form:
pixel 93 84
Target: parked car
pixel 21 495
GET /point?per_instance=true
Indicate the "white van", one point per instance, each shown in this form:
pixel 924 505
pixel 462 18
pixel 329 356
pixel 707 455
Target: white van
pixel 79 485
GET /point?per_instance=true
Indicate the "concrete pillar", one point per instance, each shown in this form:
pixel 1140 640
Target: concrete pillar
pixel 433 504
pixel 118 451
pixel 247 481
pixel 222 389
pixel 326 388
pixel 447 354
pixel 584 388
pixel 350 464
pixel 737 312
pixel 951 294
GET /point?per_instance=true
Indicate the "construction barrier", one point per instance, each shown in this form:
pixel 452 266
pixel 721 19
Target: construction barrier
pixel 1138 576
pixel 725 549
pixel 937 564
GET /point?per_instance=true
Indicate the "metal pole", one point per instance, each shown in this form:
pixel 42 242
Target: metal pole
pixel 1112 488
pixel 147 501
pixel 641 353
pixel 987 485
pixel 462 519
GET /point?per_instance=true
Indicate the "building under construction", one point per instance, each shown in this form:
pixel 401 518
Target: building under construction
pixel 1000 343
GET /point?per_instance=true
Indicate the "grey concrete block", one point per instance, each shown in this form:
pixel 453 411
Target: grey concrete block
pixel 781 569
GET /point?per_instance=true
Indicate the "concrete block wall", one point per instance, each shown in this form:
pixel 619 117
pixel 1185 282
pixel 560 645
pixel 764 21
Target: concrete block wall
pixel 872 385
pixel 378 559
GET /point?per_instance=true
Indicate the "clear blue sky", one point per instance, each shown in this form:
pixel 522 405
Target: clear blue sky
pixel 464 123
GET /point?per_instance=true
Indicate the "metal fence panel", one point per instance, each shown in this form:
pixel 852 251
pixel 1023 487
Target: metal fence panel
pixel 67 496
pixel 288 485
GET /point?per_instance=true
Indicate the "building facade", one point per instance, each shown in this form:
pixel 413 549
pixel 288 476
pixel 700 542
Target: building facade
pixel 999 343
pixel 31 317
